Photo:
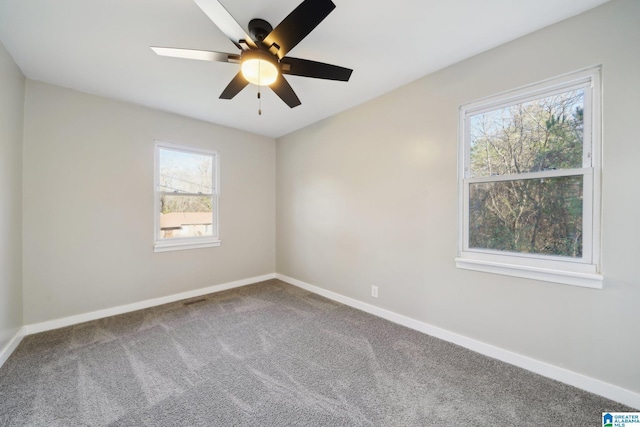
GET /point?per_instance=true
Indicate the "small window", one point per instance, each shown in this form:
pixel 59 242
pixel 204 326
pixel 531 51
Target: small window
pixel 530 182
pixel 186 197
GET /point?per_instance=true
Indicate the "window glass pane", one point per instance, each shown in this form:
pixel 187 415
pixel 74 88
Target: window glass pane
pixel 183 172
pixel 538 135
pixel 539 216
pixel 186 216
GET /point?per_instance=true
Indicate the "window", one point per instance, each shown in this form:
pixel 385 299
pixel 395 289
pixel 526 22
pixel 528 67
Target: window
pixel 529 175
pixel 186 197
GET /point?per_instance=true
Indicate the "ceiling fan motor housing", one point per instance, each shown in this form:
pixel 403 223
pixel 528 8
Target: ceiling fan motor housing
pixel 259 29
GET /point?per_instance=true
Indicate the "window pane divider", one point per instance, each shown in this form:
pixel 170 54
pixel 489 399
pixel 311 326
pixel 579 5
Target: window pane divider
pixel 179 193
pixel 531 175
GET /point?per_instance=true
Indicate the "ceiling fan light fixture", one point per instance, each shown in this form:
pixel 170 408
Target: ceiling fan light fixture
pixel 259 67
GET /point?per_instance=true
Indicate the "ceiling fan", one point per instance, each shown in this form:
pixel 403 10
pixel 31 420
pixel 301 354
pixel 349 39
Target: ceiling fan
pixel 263 51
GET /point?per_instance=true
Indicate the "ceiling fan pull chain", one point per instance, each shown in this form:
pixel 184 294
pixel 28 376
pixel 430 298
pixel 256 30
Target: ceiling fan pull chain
pixel 259 99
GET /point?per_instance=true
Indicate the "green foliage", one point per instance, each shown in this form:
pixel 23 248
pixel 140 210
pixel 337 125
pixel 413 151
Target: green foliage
pixel 542 216
pixel 171 203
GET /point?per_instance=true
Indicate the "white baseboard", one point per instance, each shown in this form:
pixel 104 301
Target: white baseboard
pixel 99 314
pixel 592 385
pixel 11 345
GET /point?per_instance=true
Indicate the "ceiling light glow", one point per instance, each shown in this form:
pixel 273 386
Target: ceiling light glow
pixel 259 67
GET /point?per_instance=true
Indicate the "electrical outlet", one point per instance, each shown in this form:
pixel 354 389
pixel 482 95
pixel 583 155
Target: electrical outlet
pixel 374 291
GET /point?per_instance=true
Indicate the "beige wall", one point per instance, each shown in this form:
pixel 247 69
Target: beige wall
pixel 88 205
pixel 11 123
pixel 369 197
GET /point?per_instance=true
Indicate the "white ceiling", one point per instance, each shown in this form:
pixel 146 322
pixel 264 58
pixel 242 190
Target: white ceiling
pixel 102 47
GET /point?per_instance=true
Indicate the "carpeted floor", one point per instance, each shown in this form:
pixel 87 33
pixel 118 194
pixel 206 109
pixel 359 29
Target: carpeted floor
pixel 271 354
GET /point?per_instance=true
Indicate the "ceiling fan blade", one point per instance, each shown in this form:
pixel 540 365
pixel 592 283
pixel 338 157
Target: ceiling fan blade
pixel 298 24
pixel 234 87
pixel 283 89
pixel 318 70
pixel 203 55
pixel 223 20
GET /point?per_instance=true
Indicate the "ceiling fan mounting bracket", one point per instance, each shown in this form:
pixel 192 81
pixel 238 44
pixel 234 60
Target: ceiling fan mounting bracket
pixel 259 29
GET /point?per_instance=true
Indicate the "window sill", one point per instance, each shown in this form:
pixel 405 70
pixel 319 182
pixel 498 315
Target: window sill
pixel 568 277
pixel 165 246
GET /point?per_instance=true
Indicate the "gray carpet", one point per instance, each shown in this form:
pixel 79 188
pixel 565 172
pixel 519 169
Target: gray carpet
pixel 271 354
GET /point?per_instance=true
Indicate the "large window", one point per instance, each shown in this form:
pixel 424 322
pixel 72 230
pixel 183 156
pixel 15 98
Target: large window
pixel 186 197
pixel 530 182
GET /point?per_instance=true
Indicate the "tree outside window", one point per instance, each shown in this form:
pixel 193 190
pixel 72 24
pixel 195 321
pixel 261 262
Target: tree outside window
pixel 531 215
pixel 186 197
pixel 530 182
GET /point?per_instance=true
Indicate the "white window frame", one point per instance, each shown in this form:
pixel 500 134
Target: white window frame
pixel 584 271
pixel 182 243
